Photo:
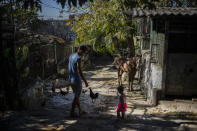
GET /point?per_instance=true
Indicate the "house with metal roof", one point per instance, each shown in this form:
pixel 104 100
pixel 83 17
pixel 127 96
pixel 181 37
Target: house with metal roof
pixel 168 39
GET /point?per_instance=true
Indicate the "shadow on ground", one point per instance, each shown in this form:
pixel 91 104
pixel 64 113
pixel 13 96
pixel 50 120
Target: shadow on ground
pixel 57 118
pixel 101 114
pixel 101 79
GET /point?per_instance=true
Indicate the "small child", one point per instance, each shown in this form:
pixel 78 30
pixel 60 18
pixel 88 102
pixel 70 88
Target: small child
pixel 122 106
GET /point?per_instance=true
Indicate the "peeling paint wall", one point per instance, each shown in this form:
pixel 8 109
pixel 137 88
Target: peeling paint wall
pixel 170 67
pixel 156 75
pixel 152 80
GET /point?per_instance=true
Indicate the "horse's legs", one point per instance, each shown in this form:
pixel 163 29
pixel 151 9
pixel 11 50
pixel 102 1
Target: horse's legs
pixel 120 72
pixel 129 81
pixel 131 85
pixel 118 77
pixel 132 78
pixel 120 80
pixel 138 76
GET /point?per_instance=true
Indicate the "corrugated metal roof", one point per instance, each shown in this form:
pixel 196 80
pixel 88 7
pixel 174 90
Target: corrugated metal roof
pixel 139 12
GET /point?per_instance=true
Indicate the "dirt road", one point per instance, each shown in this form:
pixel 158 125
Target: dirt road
pixel 102 113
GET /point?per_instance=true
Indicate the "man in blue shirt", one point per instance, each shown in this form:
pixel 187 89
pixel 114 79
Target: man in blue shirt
pixel 75 76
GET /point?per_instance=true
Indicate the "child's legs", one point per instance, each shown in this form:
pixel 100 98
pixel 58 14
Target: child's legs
pixel 118 114
pixel 123 114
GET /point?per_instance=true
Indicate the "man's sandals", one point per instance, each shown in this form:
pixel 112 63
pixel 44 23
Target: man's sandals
pixel 76 115
pixel 82 113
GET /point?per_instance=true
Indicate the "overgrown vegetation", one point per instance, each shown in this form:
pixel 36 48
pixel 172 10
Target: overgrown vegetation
pixel 108 29
pixel 16 15
pixel 105 27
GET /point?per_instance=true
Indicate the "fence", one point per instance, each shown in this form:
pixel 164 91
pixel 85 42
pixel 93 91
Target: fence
pixel 62 55
pixel 54 58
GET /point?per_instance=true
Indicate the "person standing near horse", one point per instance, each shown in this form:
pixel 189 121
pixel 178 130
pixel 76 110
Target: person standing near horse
pixel 75 76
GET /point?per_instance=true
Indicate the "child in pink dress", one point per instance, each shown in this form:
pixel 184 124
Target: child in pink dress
pixel 122 105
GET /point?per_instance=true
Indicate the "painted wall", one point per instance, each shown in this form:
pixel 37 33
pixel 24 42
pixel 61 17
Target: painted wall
pixel 152 80
pixel 181 75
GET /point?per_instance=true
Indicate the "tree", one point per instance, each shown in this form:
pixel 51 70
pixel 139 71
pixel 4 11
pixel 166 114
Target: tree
pixel 21 13
pixel 32 4
pixel 72 2
pixel 106 27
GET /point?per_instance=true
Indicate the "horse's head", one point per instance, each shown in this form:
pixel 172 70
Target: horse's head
pixel 137 60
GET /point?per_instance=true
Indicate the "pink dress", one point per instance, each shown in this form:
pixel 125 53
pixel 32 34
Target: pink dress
pixel 120 107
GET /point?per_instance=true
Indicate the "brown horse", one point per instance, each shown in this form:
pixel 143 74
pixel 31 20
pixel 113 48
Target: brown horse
pixel 126 65
pixel 119 62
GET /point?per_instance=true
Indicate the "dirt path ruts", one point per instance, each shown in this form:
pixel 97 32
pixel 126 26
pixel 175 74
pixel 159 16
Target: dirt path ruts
pixel 101 114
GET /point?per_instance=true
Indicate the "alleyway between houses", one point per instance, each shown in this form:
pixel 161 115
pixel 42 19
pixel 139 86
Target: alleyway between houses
pixel 168 115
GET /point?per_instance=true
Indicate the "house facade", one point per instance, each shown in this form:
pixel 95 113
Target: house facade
pixel 168 39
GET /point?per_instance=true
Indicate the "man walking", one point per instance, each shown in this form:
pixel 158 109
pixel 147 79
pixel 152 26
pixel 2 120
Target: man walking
pixel 75 76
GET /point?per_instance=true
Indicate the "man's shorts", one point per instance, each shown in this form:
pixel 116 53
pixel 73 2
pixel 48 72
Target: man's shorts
pixel 76 87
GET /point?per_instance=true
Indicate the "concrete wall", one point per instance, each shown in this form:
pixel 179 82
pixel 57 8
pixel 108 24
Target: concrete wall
pixel 180 76
pixel 176 54
pixel 152 80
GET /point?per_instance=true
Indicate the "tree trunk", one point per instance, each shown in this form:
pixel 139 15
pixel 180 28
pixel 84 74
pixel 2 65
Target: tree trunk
pixel 131 47
pixel 9 83
pixel 130 39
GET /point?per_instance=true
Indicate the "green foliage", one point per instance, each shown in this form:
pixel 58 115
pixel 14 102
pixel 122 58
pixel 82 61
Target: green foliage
pixel 25 17
pixel 18 12
pixel 7 52
pixel 21 54
pixel 72 2
pixel 106 27
pixel 25 73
